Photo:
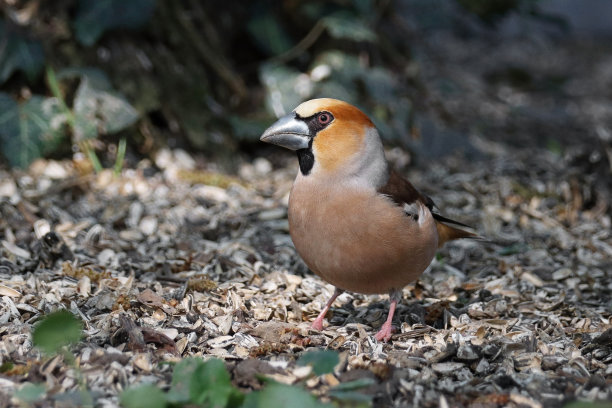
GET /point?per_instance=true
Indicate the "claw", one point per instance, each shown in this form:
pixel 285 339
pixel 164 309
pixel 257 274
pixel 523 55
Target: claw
pixel 385 332
pixel 318 323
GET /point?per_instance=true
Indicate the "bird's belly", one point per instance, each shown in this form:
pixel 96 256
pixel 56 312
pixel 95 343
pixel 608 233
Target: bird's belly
pixel 363 244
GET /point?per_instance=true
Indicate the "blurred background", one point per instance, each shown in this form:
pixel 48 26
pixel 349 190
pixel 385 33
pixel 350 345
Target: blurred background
pixel 102 78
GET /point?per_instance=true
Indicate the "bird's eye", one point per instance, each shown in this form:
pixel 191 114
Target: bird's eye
pixel 324 118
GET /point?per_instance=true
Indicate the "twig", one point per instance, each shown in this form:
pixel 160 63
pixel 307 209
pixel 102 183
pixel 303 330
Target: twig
pixel 305 43
pixel 217 62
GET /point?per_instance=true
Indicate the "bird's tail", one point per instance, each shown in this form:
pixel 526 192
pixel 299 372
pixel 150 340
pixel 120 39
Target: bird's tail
pixel 448 232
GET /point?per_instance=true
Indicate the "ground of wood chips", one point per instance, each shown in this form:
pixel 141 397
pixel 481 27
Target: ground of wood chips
pixel 204 270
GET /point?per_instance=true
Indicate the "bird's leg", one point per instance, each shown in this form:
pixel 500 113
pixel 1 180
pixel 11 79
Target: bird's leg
pixel 384 334
pixel 318 323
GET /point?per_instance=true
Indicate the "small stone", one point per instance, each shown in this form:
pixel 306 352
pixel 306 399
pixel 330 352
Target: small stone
pixel 262 166
pixel 562 273
pixel 55 170
pixel 148 225
pixel 211 193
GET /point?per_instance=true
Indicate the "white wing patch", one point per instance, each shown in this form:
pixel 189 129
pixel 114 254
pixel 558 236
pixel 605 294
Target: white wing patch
pixel 417 211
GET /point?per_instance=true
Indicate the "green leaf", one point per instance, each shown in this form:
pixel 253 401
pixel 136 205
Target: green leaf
pixel 181 379
pixel 277 395
pixel 345 392
pixel 74 398
pixel 57 330
pixel 269 35
pixel 30 129
pixel 354 385
pixel 99 111
pixel 97 78
pixel 94 17
pixel 352 396
pixel 322 361
pixel 210 385
pixel 19 54
pixel 144 396
pixel 29 392
pixel 345 25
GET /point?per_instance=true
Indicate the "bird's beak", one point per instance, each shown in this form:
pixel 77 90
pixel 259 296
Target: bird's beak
pixel 288 132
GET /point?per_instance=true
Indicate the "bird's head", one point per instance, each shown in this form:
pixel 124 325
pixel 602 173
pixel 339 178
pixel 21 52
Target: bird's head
pixel 331 137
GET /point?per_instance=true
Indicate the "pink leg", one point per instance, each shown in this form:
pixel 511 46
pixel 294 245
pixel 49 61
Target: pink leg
pixel 318 323
pixel 385 331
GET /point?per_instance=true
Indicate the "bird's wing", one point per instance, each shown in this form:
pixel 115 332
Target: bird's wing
pixel 403 192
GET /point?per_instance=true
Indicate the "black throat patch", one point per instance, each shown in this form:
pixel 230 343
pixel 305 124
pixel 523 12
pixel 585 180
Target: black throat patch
pixel 306 159
pixel 306 156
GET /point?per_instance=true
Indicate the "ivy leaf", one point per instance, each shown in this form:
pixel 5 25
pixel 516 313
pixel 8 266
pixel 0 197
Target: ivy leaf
pixel 19 54
pixel 99 110
pixel 210 385
pixel 57 330
pixel 322 361
pixel 94 17
pixel 276 395
pixel 30 393
pixel 347 392
pixel 144 396
pixel 347 26
pixel 74 398
pixel 269 35
pixel 31 129
pixel 181 378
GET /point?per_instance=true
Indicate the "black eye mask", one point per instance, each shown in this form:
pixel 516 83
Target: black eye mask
pixel 315 123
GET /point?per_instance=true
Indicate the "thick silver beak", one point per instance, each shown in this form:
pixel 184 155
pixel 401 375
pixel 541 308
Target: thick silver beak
pixel 288 132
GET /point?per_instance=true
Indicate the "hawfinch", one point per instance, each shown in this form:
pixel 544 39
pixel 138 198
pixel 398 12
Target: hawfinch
pixel 356 222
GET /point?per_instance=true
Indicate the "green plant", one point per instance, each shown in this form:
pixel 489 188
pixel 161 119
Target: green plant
pixel 196 382
pixel 56 331
pixel 321 361
pixel 38 125
pixel 53 335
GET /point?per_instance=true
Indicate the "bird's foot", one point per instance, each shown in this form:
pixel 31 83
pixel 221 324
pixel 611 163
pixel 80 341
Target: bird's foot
pixel 385 332
pixel 317 324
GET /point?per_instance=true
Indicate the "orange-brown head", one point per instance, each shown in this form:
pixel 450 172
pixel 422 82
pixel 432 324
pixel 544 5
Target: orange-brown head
pixel 331 137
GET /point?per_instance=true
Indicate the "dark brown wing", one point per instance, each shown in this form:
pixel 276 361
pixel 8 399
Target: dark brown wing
pixel 403 192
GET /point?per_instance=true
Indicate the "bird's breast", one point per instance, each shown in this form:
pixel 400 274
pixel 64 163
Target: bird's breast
pixel 357 239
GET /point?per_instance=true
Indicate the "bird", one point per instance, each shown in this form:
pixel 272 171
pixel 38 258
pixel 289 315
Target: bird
pixel 356 222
